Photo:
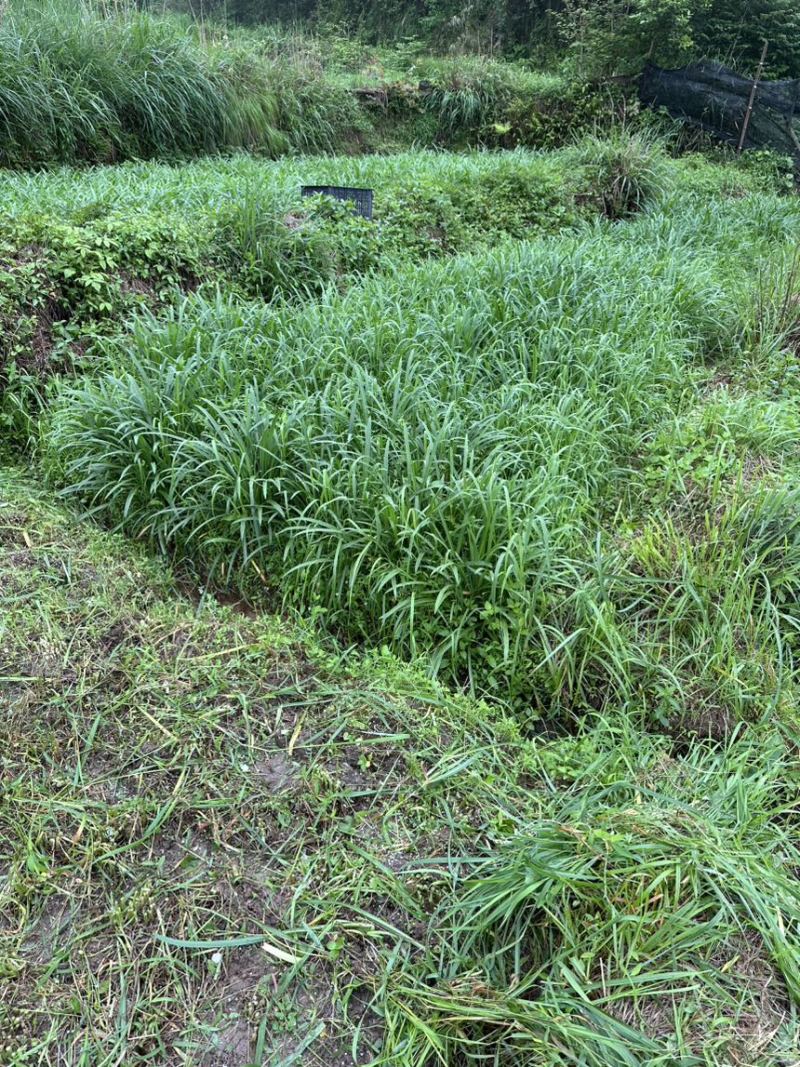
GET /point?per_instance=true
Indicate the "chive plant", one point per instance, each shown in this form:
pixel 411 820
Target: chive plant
pixel 456 461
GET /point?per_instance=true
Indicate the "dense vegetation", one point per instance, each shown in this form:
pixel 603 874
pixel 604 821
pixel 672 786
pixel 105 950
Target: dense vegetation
pixel 598 36
pixel 79 86
pixel 138 230
pixel 81 249
pixel 462 460
pixel 456 723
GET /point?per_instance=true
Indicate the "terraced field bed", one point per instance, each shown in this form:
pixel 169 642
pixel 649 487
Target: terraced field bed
pixel 398 620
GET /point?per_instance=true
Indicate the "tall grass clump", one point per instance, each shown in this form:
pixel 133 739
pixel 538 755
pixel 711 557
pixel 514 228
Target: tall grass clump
pixel 454 462
pixel 623 170
pixel 80 85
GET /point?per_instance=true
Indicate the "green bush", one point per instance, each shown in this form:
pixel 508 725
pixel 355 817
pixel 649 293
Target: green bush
pixel 69 274
pixel 57 274
pixel 622 172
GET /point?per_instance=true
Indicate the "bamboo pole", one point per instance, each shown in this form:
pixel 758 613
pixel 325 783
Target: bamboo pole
pixel 751 101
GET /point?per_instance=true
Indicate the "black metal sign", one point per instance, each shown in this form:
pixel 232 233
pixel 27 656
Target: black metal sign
pixel 361 198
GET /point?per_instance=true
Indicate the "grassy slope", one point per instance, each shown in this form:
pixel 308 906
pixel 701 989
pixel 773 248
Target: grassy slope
pixel 177 773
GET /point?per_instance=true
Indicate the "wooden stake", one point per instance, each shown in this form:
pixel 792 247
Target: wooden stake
pixel 751 101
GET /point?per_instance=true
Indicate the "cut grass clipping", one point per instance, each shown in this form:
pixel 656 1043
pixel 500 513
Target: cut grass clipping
pixel 219 844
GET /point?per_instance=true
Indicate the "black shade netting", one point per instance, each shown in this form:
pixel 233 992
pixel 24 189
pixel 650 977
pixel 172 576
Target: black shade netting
pixel 711 96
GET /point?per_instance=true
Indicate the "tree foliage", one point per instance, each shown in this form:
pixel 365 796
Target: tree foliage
pixel 596 36
pixel 736 29
pixel 613 36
